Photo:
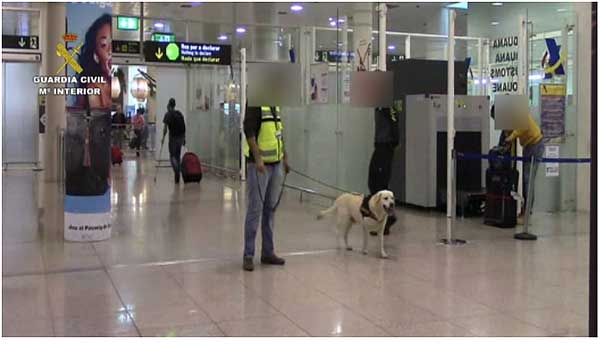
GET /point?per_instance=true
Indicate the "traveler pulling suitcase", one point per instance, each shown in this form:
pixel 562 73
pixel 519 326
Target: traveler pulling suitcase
pixel 501 178
pixel 116 155
pixel 191 169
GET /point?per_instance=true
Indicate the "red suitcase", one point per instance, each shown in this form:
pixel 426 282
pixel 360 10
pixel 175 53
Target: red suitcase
pixel 191 169
pixel 116 155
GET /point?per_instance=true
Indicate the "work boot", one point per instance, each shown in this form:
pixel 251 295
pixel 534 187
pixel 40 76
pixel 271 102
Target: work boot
pixel 248 263
pixel 272 260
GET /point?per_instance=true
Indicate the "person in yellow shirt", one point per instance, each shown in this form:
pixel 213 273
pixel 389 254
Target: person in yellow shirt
pixel 531 138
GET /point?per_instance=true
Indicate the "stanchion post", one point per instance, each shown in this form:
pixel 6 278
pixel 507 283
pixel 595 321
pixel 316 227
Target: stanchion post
pixel 525 235
pixel 243 100
pixel 450 156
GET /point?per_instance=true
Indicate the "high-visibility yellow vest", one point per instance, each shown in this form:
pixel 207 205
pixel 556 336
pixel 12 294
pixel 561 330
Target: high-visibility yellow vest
pixel 270 136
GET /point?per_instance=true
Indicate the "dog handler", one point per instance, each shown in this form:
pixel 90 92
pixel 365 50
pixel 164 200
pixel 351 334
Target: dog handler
pixel 531 139
pixel 386 140
pixel 265 152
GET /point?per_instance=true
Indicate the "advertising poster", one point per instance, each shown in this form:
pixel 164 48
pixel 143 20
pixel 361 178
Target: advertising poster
pixel 553 107
pixel 88 62
pixel 552 152
pixel 319 83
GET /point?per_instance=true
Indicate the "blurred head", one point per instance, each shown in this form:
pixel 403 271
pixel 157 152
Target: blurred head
pixel 171 104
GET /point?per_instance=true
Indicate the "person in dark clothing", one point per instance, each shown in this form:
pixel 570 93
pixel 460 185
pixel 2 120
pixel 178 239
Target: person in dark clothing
pixel 386 140
pixel 174 123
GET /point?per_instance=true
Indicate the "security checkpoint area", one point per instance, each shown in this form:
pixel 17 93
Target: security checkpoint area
pixel 366 169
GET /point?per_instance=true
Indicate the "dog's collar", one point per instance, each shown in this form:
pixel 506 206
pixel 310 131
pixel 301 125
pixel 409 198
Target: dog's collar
pixel 365 210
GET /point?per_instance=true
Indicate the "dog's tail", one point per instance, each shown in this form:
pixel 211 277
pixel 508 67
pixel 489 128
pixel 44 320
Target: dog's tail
pixel 327 211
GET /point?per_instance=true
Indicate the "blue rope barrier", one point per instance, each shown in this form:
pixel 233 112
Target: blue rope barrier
pixel 473 156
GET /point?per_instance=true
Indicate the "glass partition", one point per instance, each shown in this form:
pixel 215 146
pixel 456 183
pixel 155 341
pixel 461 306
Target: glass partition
pixel 214 116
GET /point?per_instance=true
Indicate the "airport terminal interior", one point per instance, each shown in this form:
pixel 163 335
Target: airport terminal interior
pixel 100 239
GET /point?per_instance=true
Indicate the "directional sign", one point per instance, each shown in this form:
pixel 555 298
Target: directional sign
pixel 126 47
pixel 20 42
pixel 332 56
pixel 184 52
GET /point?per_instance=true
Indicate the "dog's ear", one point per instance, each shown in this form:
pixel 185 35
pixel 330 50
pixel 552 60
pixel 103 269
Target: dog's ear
pixel 378 198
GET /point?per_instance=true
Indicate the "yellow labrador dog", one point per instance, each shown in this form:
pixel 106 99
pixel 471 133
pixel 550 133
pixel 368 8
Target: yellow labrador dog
pixel 370 212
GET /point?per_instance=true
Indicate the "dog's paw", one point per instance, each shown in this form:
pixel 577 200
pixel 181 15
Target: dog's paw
pixel 384 255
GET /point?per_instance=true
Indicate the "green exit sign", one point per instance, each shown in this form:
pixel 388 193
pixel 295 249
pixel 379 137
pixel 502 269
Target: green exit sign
pixel 163 37
pixel 128 23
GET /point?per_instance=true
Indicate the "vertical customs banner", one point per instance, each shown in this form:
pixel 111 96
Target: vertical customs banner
pixel 88 42
pixel 553 107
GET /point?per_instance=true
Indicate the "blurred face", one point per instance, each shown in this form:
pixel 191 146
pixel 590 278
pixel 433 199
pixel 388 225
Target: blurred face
pixel 104 49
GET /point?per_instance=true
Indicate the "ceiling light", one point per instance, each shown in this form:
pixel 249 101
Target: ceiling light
pixel 494 23
pixel 391 47
pixel 561 10
pixel 296 8
pixel 240 30
pixel 341 20
pixel 222 38
pixel 159 25
pixel 496 4
pixel 331 23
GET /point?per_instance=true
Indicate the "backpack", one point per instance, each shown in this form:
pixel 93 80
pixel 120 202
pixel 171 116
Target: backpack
pixel 177 125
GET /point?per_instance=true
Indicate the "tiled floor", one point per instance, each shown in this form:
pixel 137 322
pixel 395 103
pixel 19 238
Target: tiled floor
pixel 173 268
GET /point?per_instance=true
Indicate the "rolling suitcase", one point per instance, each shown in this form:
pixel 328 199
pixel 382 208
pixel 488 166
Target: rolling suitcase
pixel 500 206
pixel 116 155
pixel 191 169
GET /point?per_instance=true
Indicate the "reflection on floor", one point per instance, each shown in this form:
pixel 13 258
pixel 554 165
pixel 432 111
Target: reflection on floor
pixel 173 268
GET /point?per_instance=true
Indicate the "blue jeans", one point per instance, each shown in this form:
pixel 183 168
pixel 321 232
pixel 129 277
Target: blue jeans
pixel 270 187
pixel 537 151
pixel 175 144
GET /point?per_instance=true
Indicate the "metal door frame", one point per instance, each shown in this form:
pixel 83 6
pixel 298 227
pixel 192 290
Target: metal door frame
pixel 20 165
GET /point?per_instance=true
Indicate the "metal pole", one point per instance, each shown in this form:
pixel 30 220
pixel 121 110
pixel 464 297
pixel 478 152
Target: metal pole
pixel 142 32
pixel 480 65
pixel 345 60
pixel 450 161
pixel 243 100
pixel 313 48
pixel 382 8
pixel 525 235
pixel 486 66
pixel 450 115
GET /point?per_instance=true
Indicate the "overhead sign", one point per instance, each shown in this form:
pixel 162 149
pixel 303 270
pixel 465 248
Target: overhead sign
pixel 394 58
pixel 185 52
pixel 163 37
pixel 128 23
pixel 126 47
pixel 20 42
pixel 332 56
